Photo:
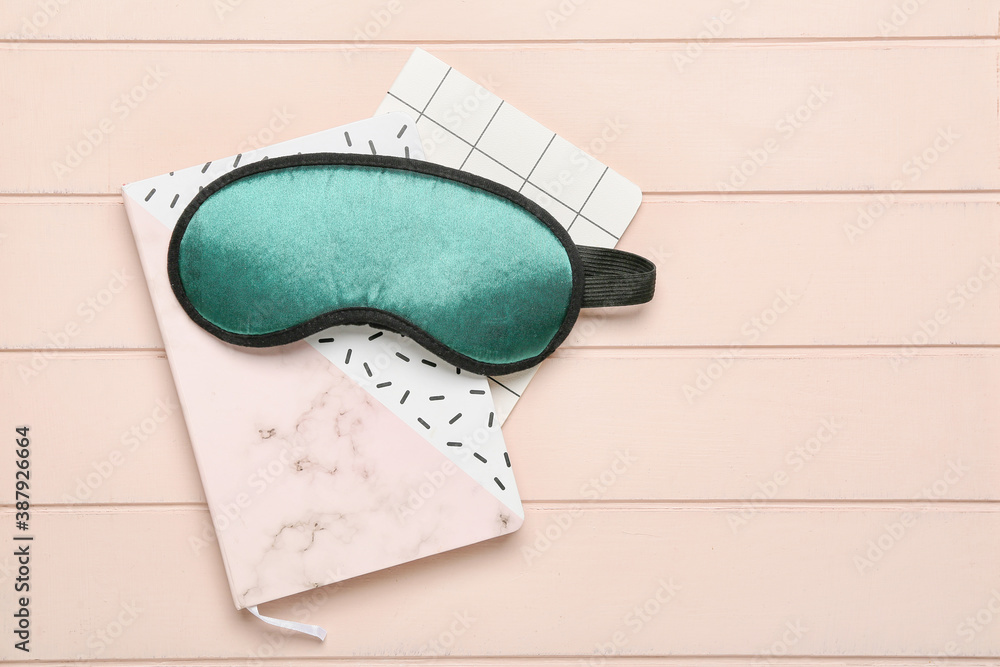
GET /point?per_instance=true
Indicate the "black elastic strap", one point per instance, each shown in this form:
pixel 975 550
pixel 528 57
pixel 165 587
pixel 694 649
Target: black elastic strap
pixel 615 277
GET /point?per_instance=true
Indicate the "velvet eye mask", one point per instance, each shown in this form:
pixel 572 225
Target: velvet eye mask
pixel 472 270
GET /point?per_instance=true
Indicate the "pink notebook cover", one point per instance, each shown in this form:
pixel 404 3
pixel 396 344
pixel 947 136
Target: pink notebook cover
pixel 313 474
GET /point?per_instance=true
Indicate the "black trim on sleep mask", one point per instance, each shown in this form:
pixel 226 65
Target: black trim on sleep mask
pixel 591 264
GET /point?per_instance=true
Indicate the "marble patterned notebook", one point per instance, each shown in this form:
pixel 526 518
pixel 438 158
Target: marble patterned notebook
pixel 465 126
pixel 349 452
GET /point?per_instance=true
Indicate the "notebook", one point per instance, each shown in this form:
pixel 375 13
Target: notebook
pixel 334 456
pixel 465 126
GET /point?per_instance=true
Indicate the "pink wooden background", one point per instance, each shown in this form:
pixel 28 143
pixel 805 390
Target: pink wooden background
pixel 791 457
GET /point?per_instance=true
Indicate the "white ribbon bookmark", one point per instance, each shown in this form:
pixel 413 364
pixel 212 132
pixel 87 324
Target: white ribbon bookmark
pixel 314 630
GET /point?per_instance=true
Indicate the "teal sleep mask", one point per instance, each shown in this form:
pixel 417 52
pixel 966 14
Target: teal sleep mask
pixel 474 271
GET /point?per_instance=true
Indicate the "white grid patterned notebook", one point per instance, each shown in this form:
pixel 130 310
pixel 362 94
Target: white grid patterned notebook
pixel 465 126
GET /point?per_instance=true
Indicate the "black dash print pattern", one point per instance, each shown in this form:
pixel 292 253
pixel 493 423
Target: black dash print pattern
pixel 205 168
pixel 439 409
pixel 348 137
pixel 151 193
pixel 173 202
